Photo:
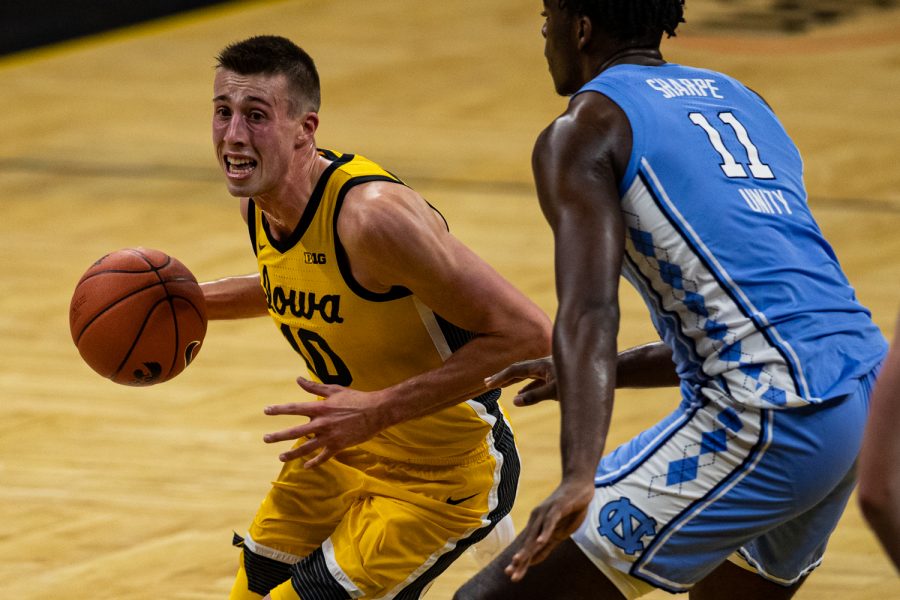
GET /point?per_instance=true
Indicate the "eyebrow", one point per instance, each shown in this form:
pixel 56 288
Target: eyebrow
pixel 225 97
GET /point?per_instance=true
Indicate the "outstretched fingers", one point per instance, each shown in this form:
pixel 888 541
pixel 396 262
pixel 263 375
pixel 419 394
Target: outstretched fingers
pixel 316 430
pixel 307 430
pixel 534 392
pixel 319 389
pixel 516 372
pixel 312 444
pixel 550 523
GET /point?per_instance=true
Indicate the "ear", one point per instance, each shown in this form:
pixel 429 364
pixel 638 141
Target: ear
pixel 584 31
pixel 306 128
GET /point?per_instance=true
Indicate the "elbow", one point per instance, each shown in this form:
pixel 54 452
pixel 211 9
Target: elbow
pixel 596 320
pixel 535 337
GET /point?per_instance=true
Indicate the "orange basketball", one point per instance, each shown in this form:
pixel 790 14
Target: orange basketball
pixel 138 316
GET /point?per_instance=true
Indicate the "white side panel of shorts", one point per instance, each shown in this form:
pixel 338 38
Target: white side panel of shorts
pixel 698 458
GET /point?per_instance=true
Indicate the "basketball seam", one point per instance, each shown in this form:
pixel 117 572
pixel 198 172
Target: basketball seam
pixel 172 312
pixel 137 337
pixel 109 307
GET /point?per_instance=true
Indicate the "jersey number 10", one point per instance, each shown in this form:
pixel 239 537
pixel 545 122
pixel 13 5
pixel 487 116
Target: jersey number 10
pixel 317 355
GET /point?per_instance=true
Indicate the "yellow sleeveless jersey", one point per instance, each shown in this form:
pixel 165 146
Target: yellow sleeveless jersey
pixel 354 337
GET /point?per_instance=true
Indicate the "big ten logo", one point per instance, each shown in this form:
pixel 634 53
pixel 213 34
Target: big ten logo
pixel 314 258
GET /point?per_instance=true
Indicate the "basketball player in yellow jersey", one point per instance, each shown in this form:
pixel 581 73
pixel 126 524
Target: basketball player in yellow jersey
pixel 406 459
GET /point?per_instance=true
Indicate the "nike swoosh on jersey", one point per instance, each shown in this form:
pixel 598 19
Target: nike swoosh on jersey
pixel 455 501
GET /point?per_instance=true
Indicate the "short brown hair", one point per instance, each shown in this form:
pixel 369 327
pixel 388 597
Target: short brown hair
pixel 276 55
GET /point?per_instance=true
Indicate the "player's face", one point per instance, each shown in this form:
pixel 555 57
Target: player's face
pixel 254 133
pixel 560 48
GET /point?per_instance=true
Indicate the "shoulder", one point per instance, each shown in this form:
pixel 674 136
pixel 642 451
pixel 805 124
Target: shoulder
pixel 593 130
pixel 589 114
pixel 391 236
pixel 383 213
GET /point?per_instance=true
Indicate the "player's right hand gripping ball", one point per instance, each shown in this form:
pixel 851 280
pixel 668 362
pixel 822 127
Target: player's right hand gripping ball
pixel 138 316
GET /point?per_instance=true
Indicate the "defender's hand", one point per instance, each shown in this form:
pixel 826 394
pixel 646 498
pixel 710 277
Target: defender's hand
pixel 551 522
pixel 541 370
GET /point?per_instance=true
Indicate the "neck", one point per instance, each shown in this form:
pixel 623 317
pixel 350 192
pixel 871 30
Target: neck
pixel 285 207
pixel 638 56
pixel 282 219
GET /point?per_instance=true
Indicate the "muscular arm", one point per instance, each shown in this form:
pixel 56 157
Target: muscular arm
pixel 575 164
pixel 394 238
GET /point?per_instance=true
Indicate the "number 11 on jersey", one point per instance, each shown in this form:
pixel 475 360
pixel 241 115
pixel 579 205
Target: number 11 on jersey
pixel 731 167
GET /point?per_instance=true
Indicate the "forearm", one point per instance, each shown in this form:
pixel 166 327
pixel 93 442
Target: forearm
pixel 879 490
pixel 584 352
pixel 646 366
pixel 879 476
pixel 886 524
pixel 461 377
pixel 234 297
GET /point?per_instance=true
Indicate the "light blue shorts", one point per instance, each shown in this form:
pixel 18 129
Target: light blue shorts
pixel 764 487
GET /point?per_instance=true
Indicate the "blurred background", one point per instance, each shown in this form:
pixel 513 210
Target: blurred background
pixel 110 492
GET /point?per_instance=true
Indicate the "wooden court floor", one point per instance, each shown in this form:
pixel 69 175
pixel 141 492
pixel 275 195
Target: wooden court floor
pixel 108 492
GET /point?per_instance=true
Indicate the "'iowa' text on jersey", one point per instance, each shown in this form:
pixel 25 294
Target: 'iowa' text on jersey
pixel 301 304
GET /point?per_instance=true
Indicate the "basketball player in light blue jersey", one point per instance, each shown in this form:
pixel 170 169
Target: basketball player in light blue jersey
pixel 684 181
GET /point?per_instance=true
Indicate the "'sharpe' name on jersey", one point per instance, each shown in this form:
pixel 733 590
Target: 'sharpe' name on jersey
pixel 675 88
pixel 301 304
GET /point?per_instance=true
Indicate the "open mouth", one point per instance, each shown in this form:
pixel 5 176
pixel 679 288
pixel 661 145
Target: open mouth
pixel 239 166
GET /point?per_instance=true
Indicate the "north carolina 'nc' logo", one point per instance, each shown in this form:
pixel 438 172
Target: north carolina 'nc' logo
pixel 625 525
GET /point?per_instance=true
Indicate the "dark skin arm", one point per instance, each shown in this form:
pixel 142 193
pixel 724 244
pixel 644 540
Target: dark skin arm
pixel 879 475
pixel 645 366
pixel 577 164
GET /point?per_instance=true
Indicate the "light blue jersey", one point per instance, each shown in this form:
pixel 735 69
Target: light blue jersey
pixel 720 242
pixel 776 357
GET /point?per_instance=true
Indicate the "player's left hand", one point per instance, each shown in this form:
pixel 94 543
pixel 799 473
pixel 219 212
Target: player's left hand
pixel 344 418
pixel 551 522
